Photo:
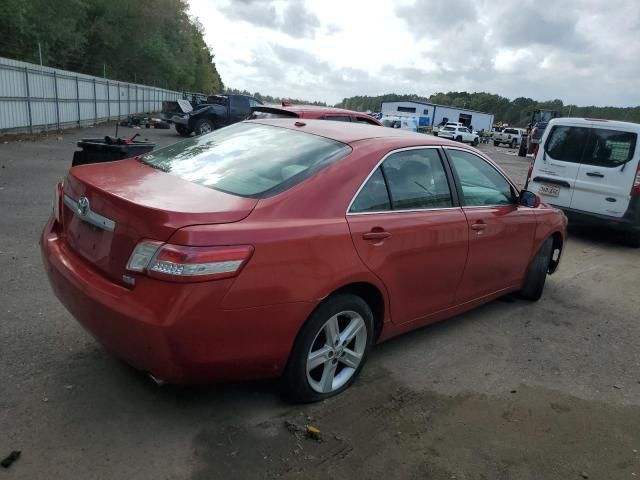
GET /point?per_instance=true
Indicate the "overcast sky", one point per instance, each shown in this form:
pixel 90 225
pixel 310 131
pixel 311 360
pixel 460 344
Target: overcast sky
pixel 585 52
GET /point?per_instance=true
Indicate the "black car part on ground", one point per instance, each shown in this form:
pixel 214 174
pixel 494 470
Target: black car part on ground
pixel 109 149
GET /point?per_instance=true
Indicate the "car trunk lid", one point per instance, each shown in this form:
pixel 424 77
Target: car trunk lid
pixel 109 208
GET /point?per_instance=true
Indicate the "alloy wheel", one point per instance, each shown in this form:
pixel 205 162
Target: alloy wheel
pixel 336 352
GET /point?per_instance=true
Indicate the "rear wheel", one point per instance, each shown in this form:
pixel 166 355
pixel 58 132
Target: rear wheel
pixel 330 349
pixel 458 138
pixel 537 274
pixel 496 144
pixel 204 126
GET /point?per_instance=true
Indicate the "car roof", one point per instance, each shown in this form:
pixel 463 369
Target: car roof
pixel 595 123
pixel 345 132
pixel 314 111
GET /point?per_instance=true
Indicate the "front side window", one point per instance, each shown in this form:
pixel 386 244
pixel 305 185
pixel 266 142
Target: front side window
pixel 482 185
pixel 609 148
pixel 566 143
pixel 248 159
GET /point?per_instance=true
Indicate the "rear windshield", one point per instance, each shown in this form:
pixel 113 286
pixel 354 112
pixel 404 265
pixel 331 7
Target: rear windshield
pixel 449 129
pixel 510 130
pixel 248 159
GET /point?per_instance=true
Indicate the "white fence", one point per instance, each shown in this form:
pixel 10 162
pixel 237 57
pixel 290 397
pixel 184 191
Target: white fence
pixel 35 98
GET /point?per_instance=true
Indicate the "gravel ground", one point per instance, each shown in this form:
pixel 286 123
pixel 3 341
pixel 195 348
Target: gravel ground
pixel 512 390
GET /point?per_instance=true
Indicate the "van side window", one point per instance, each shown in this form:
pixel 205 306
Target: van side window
pixel 610 148
pixel 566 143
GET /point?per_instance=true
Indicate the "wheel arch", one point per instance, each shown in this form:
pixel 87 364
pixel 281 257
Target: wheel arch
pixel 372 296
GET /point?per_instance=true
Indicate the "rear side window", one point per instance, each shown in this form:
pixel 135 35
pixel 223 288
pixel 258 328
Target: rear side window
pixel 566 143
pixel 257 114
pixel 417 180
pixel 368 121
pixel 248 159
pixel 609 148
pixel 337 118
pixel 373 197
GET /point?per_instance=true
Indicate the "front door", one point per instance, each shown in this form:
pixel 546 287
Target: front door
pixel 409 232
pixel 501 232
pixel 606 174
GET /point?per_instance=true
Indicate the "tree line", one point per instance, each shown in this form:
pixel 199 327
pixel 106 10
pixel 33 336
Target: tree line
pixel 145 41
pixel 268 99
pixel 516 112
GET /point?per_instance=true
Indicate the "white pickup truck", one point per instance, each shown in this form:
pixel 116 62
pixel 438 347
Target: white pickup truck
pixel 459 133
pixel 510 136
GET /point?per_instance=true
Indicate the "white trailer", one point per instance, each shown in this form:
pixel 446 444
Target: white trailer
pixel 432 115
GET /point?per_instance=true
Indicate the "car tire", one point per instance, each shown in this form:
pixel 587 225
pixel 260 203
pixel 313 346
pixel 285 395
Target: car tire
pixel 335 369
pixel 522 151
pixel 533 285
pixel 475 142
pixel 634 240
pixel 496 144
pixel 204 126
pixel 514 143
pixel 459 139
pixel 182 130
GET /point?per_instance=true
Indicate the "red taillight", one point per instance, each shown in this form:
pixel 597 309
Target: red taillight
pixel 178 263
pixel 635 190
pixel 57 203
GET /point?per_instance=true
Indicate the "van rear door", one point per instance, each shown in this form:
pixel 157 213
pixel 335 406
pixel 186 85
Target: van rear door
pixel 557 163
pixel 606 174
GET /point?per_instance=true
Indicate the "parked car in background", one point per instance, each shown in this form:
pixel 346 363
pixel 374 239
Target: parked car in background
pixel 218 111
pixel 459 134
pixel 590 168
pixel 287 110
pixel 276 247
pixel 509 136
pixel 437 128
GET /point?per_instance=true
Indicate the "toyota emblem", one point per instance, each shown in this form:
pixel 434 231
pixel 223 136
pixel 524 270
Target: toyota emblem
pixel 83 206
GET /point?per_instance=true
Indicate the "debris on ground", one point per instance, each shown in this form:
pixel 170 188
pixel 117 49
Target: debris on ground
pixel 12 457
pixel 313 432
pixel 584 475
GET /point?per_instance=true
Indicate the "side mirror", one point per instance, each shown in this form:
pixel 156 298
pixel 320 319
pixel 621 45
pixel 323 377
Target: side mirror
pixel 529 199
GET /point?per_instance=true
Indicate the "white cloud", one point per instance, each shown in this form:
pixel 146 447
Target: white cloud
pixel 582 51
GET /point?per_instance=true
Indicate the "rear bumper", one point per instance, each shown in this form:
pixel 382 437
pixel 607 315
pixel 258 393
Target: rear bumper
pixel 629 222
pixel 177 332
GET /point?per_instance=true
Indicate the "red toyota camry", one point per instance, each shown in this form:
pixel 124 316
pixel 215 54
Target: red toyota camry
pixel 288 248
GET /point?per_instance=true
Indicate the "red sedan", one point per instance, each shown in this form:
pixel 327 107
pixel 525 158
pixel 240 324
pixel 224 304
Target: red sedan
pixel 317 112
pixel 288 248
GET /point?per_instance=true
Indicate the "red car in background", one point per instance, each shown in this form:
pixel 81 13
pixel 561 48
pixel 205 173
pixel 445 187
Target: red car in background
pixel 288 110
pixel 288 247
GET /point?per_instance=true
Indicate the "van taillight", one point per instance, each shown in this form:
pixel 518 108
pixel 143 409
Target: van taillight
pixel 635 190
pixel 179 263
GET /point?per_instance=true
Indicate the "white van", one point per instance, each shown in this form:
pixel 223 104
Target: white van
pixel 590 169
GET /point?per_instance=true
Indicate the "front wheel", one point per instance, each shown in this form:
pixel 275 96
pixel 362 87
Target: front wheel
pixel 514 143
pixel 475 142
pixel 533 285
pixel 182 130
pixel 330 350
pixel 204 126
pixel 496 144
pixel 458 138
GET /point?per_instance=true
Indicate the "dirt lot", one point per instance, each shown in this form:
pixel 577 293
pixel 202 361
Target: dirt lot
pixel 512 390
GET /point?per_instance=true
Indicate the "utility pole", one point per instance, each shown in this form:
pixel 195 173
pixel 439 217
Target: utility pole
pixel 40 52
pixel 104 70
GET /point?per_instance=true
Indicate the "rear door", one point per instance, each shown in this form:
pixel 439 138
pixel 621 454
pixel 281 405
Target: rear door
pixel 605 177
pixel 409 231
pixel 501 232
pixel 557 163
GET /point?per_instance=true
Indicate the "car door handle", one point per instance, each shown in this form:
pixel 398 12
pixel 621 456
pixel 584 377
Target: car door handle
pixel 377 235
pixel 479 225
pixel 595 174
